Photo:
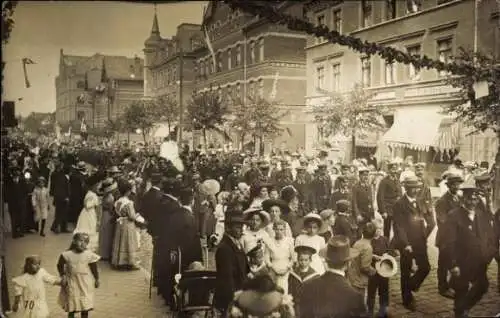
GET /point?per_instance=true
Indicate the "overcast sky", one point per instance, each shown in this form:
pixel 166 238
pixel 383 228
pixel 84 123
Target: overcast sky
pixel 42 28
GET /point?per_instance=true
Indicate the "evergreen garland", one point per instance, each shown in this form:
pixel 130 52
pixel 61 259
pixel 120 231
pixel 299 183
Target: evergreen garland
pixel 390 54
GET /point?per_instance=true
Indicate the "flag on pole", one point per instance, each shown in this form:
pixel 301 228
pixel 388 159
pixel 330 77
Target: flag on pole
pixel 210 47
pixel 274 90
pixel 26 61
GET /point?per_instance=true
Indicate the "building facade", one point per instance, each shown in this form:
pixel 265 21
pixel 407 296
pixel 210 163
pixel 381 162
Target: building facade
pixel 252 57
pixel 435 28
pixel 96 88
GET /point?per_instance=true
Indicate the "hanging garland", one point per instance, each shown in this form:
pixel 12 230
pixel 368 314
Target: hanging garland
pixel 390 54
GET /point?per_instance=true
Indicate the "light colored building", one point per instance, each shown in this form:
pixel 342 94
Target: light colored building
pixel 436 28
pixel 96 87
pixel 249 53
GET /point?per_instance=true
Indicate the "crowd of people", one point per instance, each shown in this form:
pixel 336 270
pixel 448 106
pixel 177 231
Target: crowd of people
pixel 295 235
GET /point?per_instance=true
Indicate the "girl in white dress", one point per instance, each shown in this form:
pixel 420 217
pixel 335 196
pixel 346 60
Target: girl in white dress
pixel 40 199
pixel 281 254
pixel 78 268
pixel 87 221
pixel 29 290
pixel 312 224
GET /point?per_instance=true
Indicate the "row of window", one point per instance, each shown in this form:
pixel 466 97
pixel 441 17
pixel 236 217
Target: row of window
pixel 444 53
pixel 366 7
pixel 231 58
pixel 235 91
pixel 165 77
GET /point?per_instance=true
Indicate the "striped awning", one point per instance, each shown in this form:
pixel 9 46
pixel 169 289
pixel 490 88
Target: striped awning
pixel 420 129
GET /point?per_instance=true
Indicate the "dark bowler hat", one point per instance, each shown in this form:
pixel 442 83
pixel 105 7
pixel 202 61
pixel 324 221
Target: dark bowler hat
pixel 234 218
pixel 338 250
pixel 269 203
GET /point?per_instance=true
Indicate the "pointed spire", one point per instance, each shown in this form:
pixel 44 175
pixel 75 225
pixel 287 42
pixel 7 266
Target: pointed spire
pixel 104 76
pixel 155 29
pixel 154 38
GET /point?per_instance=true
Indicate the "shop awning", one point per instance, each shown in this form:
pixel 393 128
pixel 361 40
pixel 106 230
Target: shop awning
pixel 420 129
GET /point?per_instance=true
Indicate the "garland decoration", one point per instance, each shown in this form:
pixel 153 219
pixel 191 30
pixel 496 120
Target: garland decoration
pixel 390 54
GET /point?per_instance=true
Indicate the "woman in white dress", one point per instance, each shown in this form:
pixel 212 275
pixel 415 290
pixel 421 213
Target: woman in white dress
pixel 87 221
pixel 255 232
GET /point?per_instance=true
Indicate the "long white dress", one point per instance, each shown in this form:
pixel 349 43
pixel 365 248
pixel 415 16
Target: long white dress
pixel 280 255
pixel 87 221
pixel 32 291
pixel 318 242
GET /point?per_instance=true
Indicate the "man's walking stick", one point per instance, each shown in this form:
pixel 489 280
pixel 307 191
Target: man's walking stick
pixel 152 272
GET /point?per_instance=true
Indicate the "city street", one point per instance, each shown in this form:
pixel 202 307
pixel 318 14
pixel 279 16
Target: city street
pixel 125 294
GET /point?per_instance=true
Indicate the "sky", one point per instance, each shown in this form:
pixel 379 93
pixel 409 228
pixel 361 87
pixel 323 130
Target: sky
pixel 42 28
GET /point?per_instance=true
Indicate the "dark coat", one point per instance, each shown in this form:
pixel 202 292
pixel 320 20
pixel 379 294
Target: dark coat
pixel 389 191
pixel 331 295
pixel 339 195
pixel 296 281
pixel 150 208
pixel 345 224
pixel 59 186
pixel 322 190
pixel 470 242
pixel 444 205
pixel 362 201
pixel 412 226
pixel 232 268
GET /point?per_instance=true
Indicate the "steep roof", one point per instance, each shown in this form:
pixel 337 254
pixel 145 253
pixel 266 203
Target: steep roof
pixel 117 67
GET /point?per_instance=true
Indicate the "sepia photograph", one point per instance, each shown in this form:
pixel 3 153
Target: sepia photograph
pixel 250 159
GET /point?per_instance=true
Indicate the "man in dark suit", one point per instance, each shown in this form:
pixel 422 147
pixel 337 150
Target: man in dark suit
pixel 331 295
pixel 424 195
pixel 412 226
pixel 444 205
pixel 231 263
pixel 322 189
pixel 16 197
pixel 60 191
pixel 362 198
pixel 77 191
pixel 165 264
pixel 151 208
pixel 468 236
pixel 389 191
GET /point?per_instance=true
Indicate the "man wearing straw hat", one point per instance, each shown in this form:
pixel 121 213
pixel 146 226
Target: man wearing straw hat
pixel 412 226
pixel 469 233
pixel 331 295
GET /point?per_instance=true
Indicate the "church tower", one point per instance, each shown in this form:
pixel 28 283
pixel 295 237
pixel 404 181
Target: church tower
pixel 151 47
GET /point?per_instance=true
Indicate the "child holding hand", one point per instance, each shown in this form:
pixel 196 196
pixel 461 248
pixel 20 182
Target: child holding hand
pixel 78 268
pixel 29 290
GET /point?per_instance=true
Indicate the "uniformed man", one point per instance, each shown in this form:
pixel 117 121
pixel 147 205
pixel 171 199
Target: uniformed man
pixel 302 184
pixel 343 191
pixel 468 235
pixel 362 198
pixel 444 205
pixel 234 178
pixel 345 171
pixel 322 188
pixel 389 191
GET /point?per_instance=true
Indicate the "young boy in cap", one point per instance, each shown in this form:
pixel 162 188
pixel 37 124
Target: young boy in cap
pixel 345 224
pixel 377 283
pixel 301 272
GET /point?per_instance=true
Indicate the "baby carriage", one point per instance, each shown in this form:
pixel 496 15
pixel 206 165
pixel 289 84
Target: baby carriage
pixel 194 294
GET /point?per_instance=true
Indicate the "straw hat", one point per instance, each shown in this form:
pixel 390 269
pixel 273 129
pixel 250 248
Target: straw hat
pixel 269 203
pixel 266 218
pixel 210 187
pixel 412 181
pixel 313 217
pixel 108 186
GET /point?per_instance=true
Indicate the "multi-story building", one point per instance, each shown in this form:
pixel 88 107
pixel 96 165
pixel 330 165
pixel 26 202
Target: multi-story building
pixel 250 54
pixel 97 88
pixel 169 62
pixel 435 28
